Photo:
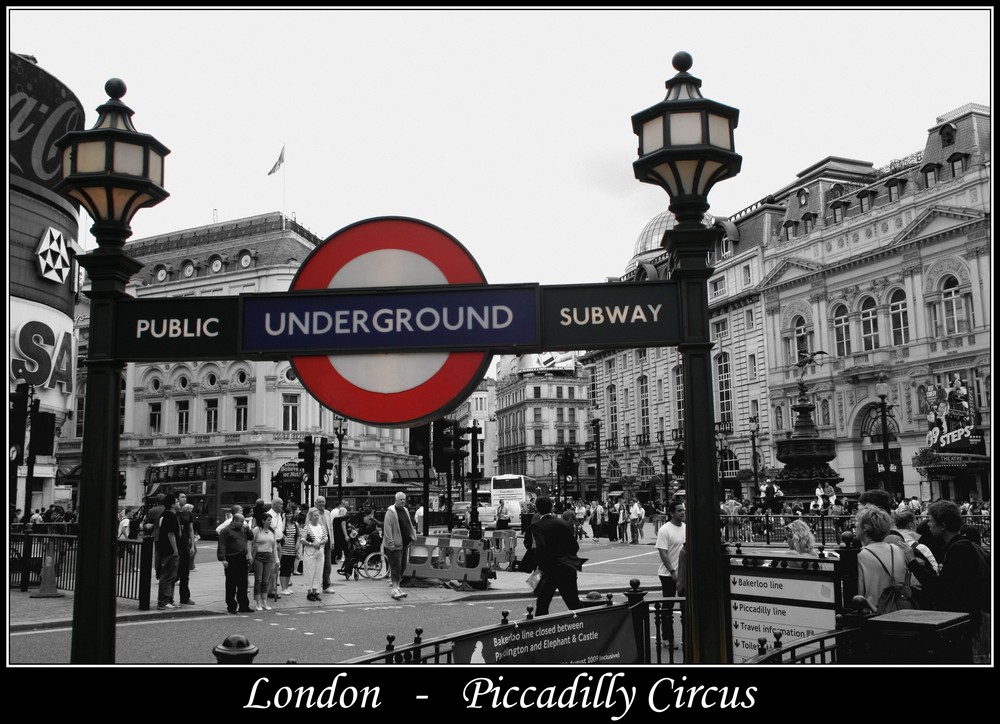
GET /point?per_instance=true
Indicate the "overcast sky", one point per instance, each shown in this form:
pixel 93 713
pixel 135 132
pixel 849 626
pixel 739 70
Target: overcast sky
pixel 509 129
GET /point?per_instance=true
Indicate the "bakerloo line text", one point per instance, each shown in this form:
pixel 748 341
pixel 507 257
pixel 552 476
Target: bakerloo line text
pixel 387 320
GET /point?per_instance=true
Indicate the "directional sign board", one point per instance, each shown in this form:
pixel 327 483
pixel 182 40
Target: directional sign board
pixel 797 602
pixel 162 330
pixel 390 389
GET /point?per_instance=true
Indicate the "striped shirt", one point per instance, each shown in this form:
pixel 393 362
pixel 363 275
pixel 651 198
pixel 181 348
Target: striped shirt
pixel 291 538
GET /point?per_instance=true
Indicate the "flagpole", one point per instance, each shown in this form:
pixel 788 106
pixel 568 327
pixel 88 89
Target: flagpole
pixel 283 189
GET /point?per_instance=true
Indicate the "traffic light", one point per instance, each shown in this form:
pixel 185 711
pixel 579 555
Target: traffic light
pixel 307 456
pixel 420 440
pixel 440 432
pixel 678 461
pixel 666 465
pixel 122 485
pixel 569 462
pixel 325 457
pixel 458 442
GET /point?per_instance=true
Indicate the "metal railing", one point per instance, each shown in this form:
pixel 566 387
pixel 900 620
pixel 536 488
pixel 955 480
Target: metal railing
pixel 133 564
pixel 657 623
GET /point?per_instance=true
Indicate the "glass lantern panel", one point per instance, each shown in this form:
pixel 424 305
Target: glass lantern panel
pixel 685 129
pixel 652 135
pixel 707 178
pixel 686 171
pixel 156 168
pixel 666 173
pixel 719 133
pixel 129 159
pixel 90 157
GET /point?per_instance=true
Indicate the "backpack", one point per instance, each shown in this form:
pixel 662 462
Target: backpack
pixel 896 596
pixel 921 568
pixel 983 581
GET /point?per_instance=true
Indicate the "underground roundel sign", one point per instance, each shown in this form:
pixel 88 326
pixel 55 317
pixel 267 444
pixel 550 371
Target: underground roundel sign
pixel 396 389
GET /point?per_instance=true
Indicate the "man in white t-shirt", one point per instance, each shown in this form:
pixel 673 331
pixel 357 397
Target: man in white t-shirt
pixel 418 520
pixel 669 541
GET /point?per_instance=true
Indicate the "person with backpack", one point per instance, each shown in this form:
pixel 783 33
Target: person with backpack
pixel 964 582
pixel 924 565
pixel 883 577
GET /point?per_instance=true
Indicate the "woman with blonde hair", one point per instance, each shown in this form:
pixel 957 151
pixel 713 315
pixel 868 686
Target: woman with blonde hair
pixel 799 537
pixel 312 543
pixel 880 564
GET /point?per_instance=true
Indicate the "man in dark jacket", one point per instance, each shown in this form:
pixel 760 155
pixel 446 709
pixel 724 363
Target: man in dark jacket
pixel 555 547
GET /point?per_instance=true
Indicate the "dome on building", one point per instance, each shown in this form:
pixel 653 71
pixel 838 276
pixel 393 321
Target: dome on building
pixel 647 246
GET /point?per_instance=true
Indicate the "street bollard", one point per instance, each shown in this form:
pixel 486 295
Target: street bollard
pixel 236 649
pixel 48 588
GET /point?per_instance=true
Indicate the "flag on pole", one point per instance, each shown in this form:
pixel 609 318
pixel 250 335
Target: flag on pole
pixel 277 164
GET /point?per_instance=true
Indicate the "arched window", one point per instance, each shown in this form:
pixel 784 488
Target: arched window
pixel 955 318
pixel 842 331
pixel 899 318
pixel 869 325
pixel 799 342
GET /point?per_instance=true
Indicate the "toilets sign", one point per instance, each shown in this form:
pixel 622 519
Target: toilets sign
pixel 390 321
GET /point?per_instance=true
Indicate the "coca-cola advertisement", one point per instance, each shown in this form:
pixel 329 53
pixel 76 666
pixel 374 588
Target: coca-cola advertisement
pixel 42 109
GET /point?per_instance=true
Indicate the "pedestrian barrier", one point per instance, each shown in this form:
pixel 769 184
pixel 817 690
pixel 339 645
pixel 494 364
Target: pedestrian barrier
pixel 504 546
pixel 453 559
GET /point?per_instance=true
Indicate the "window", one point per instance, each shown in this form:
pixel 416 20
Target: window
pixel 752 367
pixel 808 223
pixel 121 405
pixel 798 344
pixel 643 383
pixel 839 210
pixel 611 366
pixel 791 230
pixel 895 188
pixel 537 413
pixel 749 319
pixel 954 307
pixel 930 174
pixel 869 325
pixel 183 412
pixel 559 414
pixel 572 438
pixel 559 393
pixel 679 396
pixel 718 287
pixel 947 134
pixel 560 437
pixel 865 200
pixel 720 329
pixel 78 415
pixel 727 247
pixel 155 418
pixel 571 414
pixel 537 392
pixel 612 412
pixel 572 392
pixel 803 197
pixel 842 331
pixel 958 162
pixel 538 437
pixel 289 412
pixel 242 408
pixel 747 276
pixel 898 317
pixel 725 387
pixel 211 415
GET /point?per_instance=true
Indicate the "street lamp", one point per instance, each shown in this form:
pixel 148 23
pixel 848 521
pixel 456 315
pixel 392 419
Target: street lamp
pixel 112 170
pixel 340 431
pixel 686 146
pixel 596 424
pixel 754 430
pixel 882 391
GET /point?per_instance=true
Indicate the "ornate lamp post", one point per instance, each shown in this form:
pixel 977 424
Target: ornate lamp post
pixel 113 171
pixel 340 431
pixel 754 430
pixel 685 147
pixel 882 391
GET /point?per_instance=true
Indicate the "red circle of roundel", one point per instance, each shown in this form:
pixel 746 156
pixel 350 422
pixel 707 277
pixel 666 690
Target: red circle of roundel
pixel 456 378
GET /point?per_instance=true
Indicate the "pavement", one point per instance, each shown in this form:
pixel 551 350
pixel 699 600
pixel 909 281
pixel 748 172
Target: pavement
pixel 27 612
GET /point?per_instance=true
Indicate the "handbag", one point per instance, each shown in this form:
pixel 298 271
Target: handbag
pixel 534 578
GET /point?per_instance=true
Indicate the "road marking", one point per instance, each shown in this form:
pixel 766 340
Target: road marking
pixel 616 560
